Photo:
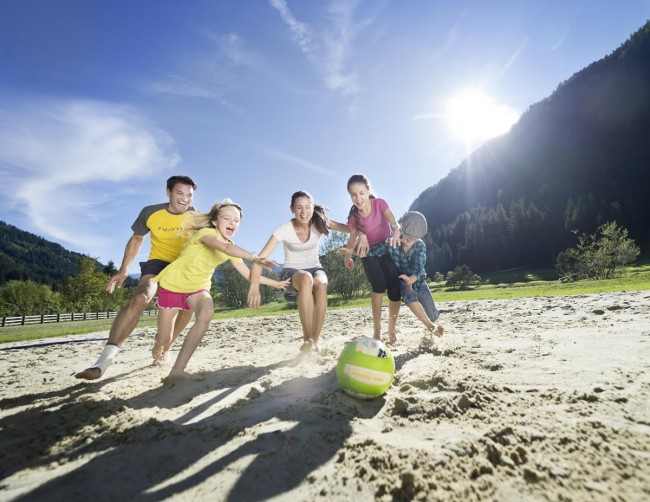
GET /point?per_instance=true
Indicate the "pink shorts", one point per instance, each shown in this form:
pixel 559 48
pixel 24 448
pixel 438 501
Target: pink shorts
pixel 170 300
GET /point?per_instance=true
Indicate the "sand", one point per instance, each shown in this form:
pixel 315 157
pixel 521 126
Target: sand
pixel 527 399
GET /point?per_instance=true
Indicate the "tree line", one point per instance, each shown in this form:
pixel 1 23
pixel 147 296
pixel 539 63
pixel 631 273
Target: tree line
pixel 601 255
pixel 85 291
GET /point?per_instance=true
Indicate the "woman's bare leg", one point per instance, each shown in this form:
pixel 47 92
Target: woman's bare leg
pixel 303 282
pixel 320 308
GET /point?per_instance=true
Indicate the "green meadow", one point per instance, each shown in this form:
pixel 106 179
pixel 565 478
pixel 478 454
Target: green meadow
pixel 517 283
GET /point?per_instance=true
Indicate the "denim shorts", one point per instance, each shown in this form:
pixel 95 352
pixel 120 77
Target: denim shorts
pixel 420 293
pixel 287 273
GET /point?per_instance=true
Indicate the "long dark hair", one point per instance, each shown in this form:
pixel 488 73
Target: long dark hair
pixel 354 210
pixel 318 219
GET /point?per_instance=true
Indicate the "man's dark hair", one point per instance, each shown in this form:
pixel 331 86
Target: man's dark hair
pixel 180 178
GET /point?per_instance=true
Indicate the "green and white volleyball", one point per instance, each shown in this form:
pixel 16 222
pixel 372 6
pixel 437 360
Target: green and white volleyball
pixel 366 368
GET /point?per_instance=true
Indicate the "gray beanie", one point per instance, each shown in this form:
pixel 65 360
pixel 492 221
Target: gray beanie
pixel 414 224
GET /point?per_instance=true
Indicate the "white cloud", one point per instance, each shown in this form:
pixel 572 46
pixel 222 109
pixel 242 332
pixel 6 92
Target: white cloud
pixel 210 76
pixel 328 49
pixel 214 74
pixel 181 86
pixel 337 43
pixel 301 32
pixel 282 156
pixel 57 155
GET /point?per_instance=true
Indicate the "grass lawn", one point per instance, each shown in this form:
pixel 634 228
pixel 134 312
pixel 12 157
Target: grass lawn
pixel 517 283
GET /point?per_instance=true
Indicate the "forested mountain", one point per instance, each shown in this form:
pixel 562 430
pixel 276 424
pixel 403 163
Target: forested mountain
pixel 25 256
pixel 575 160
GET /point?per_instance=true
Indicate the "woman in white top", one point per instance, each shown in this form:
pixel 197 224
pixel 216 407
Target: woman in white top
pixel 300 237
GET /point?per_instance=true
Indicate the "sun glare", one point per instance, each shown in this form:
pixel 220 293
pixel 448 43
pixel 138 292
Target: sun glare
pixel 473 116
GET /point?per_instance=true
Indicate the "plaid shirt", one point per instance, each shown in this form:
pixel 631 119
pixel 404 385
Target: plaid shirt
pixel 411 263
pixel 378 249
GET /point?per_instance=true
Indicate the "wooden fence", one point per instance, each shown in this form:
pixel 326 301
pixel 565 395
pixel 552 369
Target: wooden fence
pixel 45 318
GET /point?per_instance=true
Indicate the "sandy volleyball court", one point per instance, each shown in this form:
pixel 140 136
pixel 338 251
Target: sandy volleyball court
pixel 529 399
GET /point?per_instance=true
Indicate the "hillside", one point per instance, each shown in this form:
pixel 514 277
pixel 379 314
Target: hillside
pixel 25 256
pixel 575 160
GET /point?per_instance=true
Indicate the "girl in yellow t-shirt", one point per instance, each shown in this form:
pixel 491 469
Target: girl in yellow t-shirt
pixel 185 283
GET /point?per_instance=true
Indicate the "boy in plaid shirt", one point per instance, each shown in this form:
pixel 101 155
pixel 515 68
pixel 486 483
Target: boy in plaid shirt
pixel 409 258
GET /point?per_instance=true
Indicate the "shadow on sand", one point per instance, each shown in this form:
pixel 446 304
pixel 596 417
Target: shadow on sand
pixel 294 428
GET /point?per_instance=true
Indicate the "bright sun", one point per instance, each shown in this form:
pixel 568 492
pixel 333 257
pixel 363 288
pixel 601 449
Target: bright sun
pixel 473 116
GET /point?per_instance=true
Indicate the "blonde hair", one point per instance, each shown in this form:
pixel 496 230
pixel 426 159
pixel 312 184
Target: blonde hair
pixel 196 220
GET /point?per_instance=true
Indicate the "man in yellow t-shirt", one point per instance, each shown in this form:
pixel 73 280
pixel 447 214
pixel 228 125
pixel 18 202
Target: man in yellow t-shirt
pixel 163 222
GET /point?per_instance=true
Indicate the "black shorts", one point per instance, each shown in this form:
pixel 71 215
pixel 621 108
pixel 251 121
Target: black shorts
pixel 152 267
pixel 383 276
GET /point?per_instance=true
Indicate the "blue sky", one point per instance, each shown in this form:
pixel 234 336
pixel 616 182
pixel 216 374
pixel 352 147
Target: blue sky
pixel 101 101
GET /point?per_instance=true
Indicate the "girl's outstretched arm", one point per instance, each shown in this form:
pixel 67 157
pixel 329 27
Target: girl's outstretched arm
pixel 255 275
pixel 245 272
pixel 361 244
pixel 339 227
pixel 348 250
pixel 235 251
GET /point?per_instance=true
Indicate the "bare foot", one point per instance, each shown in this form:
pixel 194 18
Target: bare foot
pixel 157 351
pixel 89 374
pixel 307 345
pixel 377 336
pixel 183 377
pixel 164 359
pixel 392 340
